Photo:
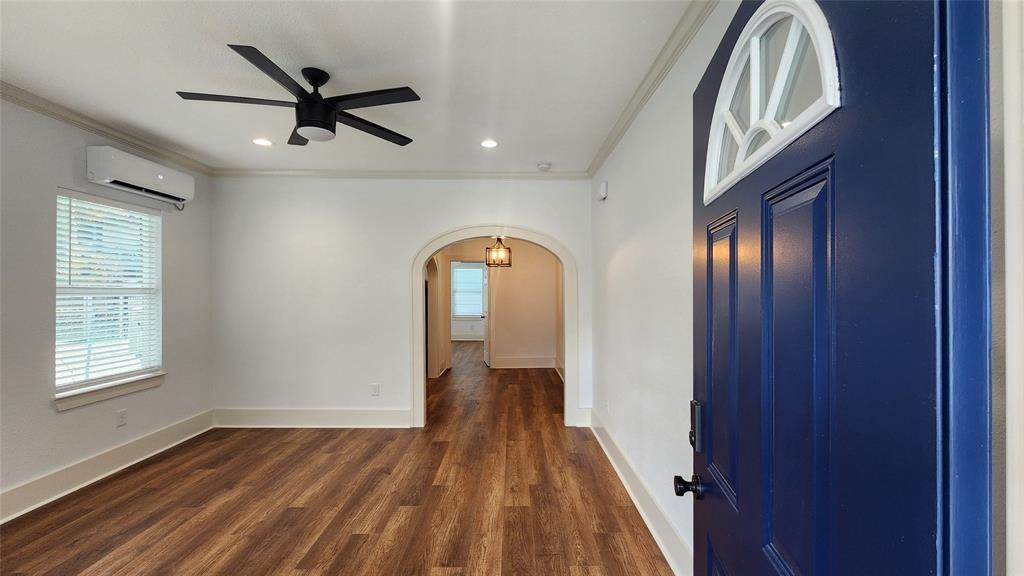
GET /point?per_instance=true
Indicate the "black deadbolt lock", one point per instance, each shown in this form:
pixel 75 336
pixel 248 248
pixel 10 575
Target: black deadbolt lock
pixel 697 426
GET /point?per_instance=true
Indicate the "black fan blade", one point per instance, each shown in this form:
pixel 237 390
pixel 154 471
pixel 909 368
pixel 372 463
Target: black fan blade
pixel 236 99
pixel 373 98
pixel 295 139
pixel 257 59
pixel 371 128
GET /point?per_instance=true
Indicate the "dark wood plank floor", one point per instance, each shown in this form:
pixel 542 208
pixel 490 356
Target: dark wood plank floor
pixel 494 484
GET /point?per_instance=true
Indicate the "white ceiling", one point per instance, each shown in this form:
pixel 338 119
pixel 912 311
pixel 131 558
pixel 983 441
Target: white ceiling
pixel 547 80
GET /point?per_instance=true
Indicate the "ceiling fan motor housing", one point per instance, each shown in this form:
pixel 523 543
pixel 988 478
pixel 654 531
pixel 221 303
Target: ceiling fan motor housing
pixel 315 120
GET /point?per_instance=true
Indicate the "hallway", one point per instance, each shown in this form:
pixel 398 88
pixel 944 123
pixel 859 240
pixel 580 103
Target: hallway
pixel 493 485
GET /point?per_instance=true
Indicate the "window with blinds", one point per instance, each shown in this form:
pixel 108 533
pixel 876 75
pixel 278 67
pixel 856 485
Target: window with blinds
pixel 108 293
pixel 468 289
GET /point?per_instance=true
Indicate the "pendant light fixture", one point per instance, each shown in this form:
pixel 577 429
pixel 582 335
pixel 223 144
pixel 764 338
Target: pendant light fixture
pixel 498 255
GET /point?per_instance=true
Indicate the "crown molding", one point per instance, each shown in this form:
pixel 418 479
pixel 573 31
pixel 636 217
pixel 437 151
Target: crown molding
pixel 402 174
pixel 689 23
pixel 26 99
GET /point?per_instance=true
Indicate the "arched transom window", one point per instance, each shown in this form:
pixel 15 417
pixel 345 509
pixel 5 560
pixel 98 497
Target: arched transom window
pixel 781 80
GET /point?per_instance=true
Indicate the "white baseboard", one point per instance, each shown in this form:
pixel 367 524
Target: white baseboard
pixel 675 550
pixel 522 361
pixel 32 494
pixel 467 338
pixel 446 368
pixel 310 418
pixel 561 373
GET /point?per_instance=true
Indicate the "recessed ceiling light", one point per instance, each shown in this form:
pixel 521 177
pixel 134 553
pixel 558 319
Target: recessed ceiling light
pixel 262 142
pixel 488 143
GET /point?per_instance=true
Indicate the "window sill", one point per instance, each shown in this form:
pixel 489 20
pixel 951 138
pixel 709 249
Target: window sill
pixel 107 390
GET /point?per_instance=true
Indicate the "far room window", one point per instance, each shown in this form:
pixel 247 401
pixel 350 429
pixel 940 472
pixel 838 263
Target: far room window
pixel 468 288
pixel 108 293
pixel 781 80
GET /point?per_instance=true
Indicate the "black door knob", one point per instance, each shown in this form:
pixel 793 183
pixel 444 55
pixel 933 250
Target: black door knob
pixel 694 485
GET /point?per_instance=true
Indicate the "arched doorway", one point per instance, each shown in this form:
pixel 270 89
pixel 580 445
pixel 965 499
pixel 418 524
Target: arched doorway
pixel 574 415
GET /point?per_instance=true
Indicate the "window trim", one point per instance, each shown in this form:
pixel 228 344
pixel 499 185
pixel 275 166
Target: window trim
pixel 85 196
pixel 810 16
pixel 106 387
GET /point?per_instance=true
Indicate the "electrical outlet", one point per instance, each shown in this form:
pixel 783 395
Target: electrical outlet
pixel 374 389
pixel 122 417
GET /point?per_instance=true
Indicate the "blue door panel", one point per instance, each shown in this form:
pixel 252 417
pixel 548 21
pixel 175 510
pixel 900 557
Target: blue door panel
pixel 723 377
pixel 795 414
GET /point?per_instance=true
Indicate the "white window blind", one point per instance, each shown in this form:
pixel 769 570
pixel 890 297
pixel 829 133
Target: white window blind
pixel 467 289
pixel 108 293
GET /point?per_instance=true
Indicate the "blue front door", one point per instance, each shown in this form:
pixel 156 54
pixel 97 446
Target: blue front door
pixel 819 352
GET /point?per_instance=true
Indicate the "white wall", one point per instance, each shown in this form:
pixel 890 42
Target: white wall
pixel 643 283
pixel 38 155
pixel 312 279
pixel 525 321
pixel 467 329
pixel 523 315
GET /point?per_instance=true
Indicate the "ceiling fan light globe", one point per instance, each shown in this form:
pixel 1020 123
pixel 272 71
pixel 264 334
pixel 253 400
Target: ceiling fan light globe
pixel 315 120
pixel 315 133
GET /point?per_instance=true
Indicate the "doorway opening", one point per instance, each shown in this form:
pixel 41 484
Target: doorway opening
pixel 489 328
pixel 554 346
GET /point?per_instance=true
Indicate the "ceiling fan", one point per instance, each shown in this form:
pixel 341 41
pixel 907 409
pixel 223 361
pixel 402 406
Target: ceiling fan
pixel 315 116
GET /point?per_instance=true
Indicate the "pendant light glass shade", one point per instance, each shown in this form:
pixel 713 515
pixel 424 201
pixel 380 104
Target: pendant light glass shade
pixel 498 255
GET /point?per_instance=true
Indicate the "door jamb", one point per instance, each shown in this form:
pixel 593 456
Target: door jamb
pixel 1009 134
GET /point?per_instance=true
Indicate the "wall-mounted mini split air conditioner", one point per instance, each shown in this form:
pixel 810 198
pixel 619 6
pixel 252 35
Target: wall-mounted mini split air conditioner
pixel 111 167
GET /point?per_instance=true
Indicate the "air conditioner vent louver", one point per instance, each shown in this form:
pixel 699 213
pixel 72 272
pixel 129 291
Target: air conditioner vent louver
pixel 127 185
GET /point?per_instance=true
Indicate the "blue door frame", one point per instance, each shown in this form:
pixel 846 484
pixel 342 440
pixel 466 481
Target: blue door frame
pixel 794 197
pixel 964 139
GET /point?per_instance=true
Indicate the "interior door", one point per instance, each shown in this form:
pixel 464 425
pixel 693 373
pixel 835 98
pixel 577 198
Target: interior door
pixel 818 337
